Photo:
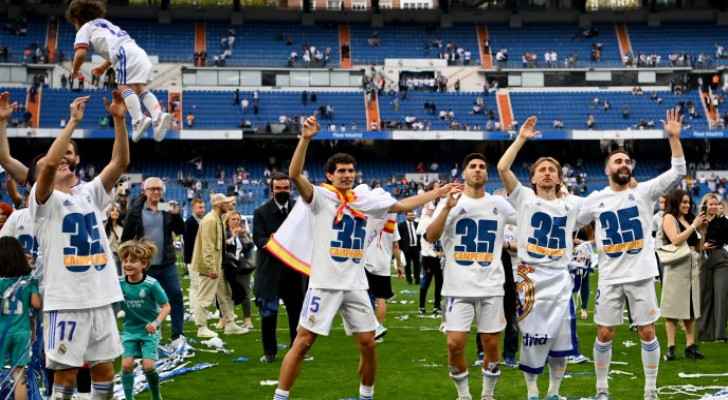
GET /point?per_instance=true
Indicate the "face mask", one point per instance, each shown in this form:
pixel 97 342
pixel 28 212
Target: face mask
pixel 282 197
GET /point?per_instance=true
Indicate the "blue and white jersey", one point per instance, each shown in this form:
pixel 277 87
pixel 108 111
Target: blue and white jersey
pixel 20 226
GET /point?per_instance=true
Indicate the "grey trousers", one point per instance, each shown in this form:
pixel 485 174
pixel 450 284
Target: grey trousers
pixel 714 298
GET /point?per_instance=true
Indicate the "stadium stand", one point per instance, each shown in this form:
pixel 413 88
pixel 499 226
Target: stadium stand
pixel 19 35
pixel 409 41
pixel 215 109
pixel 170 42
pixel 692 39
pixel 266 44
pixel 460 103
pixel 565 40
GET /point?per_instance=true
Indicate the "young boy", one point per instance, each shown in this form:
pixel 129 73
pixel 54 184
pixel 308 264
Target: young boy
pixel 132 65
pixel 145 307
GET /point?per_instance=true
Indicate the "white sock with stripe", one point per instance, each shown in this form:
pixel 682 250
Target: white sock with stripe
pixel 557 368
pixel 281 394
pixel 461 384
pixel 490 378
pixel 61 392
pixel 102 390
pixel 602 359
pixel 366 392
pixel 133 105
pixel 151 104
pixel 651 363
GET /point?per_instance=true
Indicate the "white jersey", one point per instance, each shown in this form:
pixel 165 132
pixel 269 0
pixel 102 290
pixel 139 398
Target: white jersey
pixel 78 266
pixel 545 227
pixel 337 261
pixel 473 241
pixel 623 226
pixel 20 226
pixel 103 37
pixel 383 234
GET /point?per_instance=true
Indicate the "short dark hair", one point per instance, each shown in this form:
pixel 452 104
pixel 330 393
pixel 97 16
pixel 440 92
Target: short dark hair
pixel 277 176
pixel 75 147
pixel 14 263
pixel 338 158
pixel 82 11
pixel 473 156
pixel 617 151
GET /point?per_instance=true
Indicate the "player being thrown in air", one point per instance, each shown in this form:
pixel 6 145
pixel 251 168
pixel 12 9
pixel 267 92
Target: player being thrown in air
pixel 131 63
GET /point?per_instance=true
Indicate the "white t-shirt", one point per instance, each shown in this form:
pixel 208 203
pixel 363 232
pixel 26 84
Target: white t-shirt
pixel 78 266
pixel 545 227
pixel 623 227
pixel 473 241
pixel 20 226
pixel 337 261
pixel 383 235
pixel 103 37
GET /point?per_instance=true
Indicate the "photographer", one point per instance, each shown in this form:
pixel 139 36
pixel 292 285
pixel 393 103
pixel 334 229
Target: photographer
pixel 148 217
pixel 714 275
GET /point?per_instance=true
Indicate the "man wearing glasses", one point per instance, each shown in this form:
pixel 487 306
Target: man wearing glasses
pixel 149 217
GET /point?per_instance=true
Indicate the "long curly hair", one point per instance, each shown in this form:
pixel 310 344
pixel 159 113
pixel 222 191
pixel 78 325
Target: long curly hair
pixel 82 11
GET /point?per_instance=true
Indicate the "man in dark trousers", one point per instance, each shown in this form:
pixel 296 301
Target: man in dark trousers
pixel 191 226
pixel 150 218
pixel 274 280
pixel 409 244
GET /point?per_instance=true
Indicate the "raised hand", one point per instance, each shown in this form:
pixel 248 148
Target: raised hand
pixel 6 108
pixel 310 127
pixel 446 189
pixel 453 196
pixel 673 123
pixel 117 107
pixel 528 129
pixel 77 108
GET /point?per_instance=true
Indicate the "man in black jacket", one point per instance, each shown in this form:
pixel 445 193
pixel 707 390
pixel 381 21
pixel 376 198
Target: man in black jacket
pixel 191 226
pixel 146 219
pixel 273 280
pixel 409 244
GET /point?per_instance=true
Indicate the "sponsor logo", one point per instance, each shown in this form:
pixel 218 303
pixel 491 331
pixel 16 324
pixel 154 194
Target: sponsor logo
pixel 535 340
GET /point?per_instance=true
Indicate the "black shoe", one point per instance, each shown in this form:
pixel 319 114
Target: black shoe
pixel 693 353
pixel 436 311
pixel 670 355
pixel 423 311
pixel 267 358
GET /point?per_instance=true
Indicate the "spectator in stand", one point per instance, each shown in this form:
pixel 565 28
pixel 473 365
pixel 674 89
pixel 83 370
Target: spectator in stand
pixel 81 81
pixel 150 218
pixel 190 119
pixel 625 112
pixel 64 81
pixel 244 103
pixel 114 230
pixel 558 124
pixel 590 121
pixel 714 273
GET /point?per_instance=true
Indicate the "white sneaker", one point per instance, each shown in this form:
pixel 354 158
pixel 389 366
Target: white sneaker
pixel 577 359
pixel 235 329
pixel 161 126
pixel 248 325
pixel 380 332
pixel 205 333
pixel 139 128
pixel 179 342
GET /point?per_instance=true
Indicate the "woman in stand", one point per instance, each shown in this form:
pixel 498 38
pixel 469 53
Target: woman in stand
pixel 680 282
pixel 714 274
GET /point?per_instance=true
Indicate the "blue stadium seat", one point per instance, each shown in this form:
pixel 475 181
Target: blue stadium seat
pixel 678 38
pixel 37 29
pixel 461 103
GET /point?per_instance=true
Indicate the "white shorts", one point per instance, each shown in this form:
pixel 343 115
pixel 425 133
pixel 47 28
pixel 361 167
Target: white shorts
pixel 321 305
pixel 487 311
pixel 556 338
pixel 642 300
pixel 74 337
pixel 132 65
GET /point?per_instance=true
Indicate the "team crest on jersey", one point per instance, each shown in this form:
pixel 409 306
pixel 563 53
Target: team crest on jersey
pixel 525 290
pixel 495 210
pixel 601 205
pixel 67 203
pixel 631 197
pixel 142 293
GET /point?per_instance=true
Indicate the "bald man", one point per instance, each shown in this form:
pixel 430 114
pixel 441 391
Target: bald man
pixel 151 218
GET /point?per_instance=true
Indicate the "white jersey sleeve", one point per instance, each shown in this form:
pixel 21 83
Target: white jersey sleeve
pixel 100 198
pixel 83 36
pixel 10 225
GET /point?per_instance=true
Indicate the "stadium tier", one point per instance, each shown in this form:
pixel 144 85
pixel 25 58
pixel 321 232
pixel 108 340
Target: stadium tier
pixel 692 39
pixel 565 40
pixel 21 34
pixel 461 104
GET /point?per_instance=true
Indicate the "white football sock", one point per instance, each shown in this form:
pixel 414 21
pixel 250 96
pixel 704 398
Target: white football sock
pixel 102 390
pixel 531 383
pixel 490 378
pixel 133 105
pixel 280 394
pixel 152 105
pixel 461 384
pixel 602 359
pixel 366 392
pixel 557 368
pixel 651 363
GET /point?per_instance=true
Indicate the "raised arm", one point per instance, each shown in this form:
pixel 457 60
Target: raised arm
pixel 295 170
pixel 410 203
pixel 51 161
pixel 434 231
pixel 661 184
pixel 12 189
pixel 670 226
pixel 673 127
pixel 79 57
pixel 120 153
pixel 509 179
pixel 15 168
